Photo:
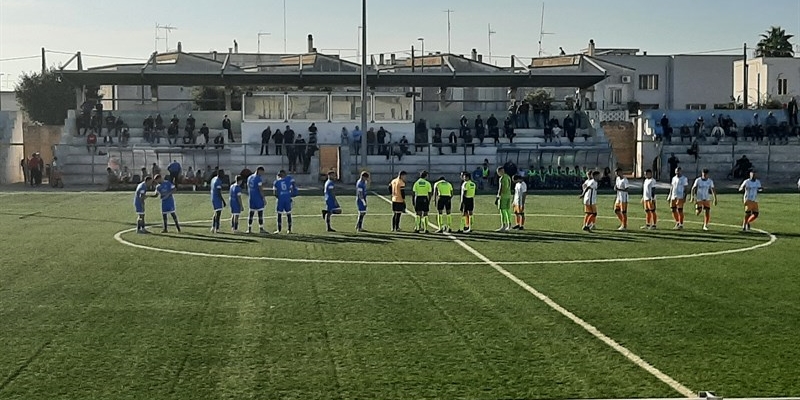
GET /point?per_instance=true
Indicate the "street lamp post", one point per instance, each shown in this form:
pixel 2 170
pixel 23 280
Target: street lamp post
pixel 260 34
pixel 422 69
pixel 363 82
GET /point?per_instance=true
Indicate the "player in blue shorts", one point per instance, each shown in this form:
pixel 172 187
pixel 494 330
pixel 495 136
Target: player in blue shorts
pixel 283 188
pixel 217 202
pixel 138 203
pixel 166 190
pixel 331 204
pixel 255 190
pixel 361 200
pixel 236 203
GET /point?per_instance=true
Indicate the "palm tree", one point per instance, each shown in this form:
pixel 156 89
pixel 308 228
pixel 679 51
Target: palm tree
pixel 775 43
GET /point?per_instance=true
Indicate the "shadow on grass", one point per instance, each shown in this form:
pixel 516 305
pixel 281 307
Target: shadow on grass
pixel 65 218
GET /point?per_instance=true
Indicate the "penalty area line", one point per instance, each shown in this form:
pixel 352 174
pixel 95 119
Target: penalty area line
pixel 672 383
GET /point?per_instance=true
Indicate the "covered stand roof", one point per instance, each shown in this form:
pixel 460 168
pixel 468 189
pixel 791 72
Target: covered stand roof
pixel 316 69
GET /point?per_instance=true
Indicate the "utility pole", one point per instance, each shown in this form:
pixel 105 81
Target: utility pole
pixel 491 32
pixel 745 83
pixel 363 126
pixel 44 61
pixel 448 11
pixel 284 26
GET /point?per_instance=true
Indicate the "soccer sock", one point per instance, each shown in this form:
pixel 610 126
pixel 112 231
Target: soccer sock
pixel 328 220
pixel 508 218
pixel 676 216
pixel 439 220
pixel 175 218
pixel 360 223
pixel 707 218
pixel 289 221
pixel 417 222
pixel 250 219
pixel 680 216
pixel 260 219
pixel 280 222
pixel 164 217
pixel 449 220
pixel 424 226
pixel 522 220
pixel 463 222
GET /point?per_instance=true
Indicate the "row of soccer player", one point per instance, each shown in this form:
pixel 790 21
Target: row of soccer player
pixel 703 194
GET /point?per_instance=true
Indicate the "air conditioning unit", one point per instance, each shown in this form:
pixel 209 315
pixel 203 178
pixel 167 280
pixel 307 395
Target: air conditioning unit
pixel 626 79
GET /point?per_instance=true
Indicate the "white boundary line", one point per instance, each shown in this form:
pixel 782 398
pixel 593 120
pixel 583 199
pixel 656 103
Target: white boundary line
pixel 118 237
pixel 675 385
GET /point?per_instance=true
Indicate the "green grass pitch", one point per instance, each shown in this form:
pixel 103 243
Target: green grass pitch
pixel 83 316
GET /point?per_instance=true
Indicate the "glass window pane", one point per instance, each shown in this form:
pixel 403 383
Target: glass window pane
pixel 264 107
pixel 308 107
pixel 393 108
pixel 347 108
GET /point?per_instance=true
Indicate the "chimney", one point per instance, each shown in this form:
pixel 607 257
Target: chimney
pixel 590 52
pixel 480 57
pixel 474 54
pixel 381 59
pixel 392 59
pixel 310 43
pixel 645 53
pixel 180 47
pixel 235 46
pixel 230 50
pixel 512 62
pixel 214 54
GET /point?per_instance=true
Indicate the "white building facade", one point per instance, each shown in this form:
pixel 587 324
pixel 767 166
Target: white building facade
pixel 769 79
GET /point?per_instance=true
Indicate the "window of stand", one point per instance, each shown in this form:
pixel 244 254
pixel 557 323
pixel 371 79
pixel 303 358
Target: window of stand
pixel 348 108
pixel 393 108
pixel 270 107
pixel 308 107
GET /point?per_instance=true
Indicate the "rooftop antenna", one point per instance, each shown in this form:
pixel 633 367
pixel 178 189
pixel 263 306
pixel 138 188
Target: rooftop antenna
pixel 491 32
pixel 542 32
pixel 167 29
pixel 448 11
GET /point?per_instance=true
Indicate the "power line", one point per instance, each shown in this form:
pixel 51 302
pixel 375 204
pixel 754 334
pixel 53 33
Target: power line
pixel 95 55
pixel 711 51
pixel 19 58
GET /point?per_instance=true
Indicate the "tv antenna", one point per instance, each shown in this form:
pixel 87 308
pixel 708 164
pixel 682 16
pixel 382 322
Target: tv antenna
pixel 491 32
pixel 542 32
pixel 167 29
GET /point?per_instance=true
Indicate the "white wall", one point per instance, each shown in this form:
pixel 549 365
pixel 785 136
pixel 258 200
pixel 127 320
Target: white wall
pixel 11 149
pixel 646 65
pixel 702 80
pixel 183 95
pixel 763 75
pixel 8 101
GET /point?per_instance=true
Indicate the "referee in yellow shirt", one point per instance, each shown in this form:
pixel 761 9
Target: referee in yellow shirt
pixel 443 196
pixel 467 202
pixel 398 190
pixel 422 202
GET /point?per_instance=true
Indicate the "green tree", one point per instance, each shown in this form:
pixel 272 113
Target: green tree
pixel 775 43
pixel 44 97
pixel 212 98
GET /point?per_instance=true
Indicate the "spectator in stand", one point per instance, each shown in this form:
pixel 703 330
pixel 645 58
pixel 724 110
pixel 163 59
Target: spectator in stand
pixel 277 137
pixel 205 132
pixel 172 132
pixel 174 169
pixel 190 177
pixel 311 149
pixel 685 132
pixel 667 128
pixel 119 125
pixel 312 130
pixel 453 140
pixel 605 181
pixel 480 129
pixel 288 140
pixel 266 134
pixel 548 132
pixel 468 141
pixel 791 112
pixel 175 120
pixel 98 109
pixel 191 124
pixel 508 129
pixel 522 115
pixel 149 126
pixel 344 137
pixel 111 178
pixel 512 113
pixel 569 127
pixel 125 175
pixel 717 132
pixel 464 126
pixel 35 170
pixel 155 170
pixel 673 162
pixel 201 141
pixel 491 125
pixel 300 147
pixel 159 128
pixel 144 174
pixel 226 124
pixel 187 137
pixel 420 135
pixel 357 134
pixel 771 124
pixel 404 146
pixel 107 141
pixel 381 139
pixel 437 139
pixel 371 138
pixel 125 137
pixel 111 123
pixel 219 141
pixel 86 115
pixel 96 124
pixel 699 128
pixel 694 149
pixel 91 143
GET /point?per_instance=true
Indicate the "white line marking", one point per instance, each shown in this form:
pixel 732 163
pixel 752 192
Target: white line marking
pixel 675 385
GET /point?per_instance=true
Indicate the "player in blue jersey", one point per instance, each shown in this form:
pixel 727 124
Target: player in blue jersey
pixel 166 190
pixel 236 203
pixel 138 203
pixel 217 202
pixel 361 200
pixel 331 204
pixel 283 189
pixel 255 190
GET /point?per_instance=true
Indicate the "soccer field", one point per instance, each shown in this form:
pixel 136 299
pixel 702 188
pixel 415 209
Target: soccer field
pixel 91 310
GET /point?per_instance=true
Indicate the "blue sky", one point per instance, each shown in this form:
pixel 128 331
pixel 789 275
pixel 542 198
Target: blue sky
pixel 126 28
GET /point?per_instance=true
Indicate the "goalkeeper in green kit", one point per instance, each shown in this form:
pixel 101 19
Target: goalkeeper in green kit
pixel 503 200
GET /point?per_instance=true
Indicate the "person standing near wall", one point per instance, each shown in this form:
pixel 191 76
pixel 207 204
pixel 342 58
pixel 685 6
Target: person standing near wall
pixel 226 124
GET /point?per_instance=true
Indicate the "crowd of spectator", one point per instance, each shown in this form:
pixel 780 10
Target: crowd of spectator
pixel 294 146
pixel 723 126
